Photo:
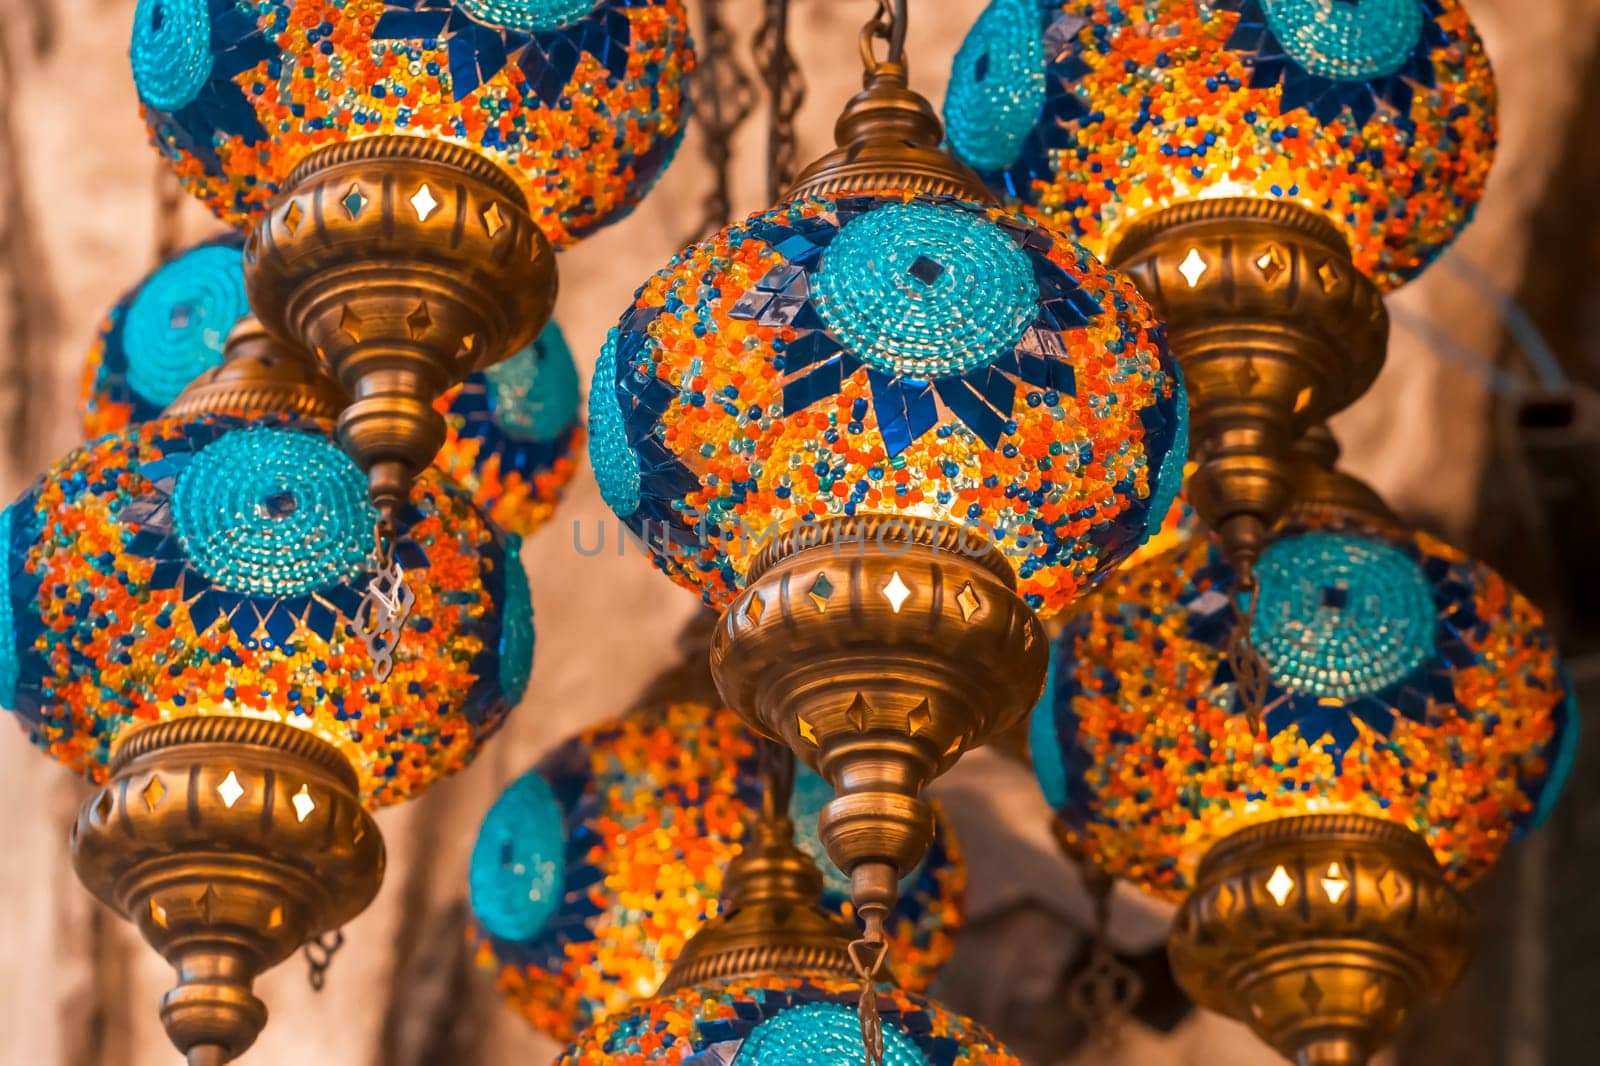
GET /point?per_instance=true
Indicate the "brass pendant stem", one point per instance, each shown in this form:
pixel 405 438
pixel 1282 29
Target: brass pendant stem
pixel 1320 932
pixel 404 264
pixel 228 842
pixel 879 650
pixel 1275 329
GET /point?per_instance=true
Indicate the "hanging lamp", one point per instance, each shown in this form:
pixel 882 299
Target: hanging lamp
pixel 769 981
pixel 592 870
pixel 881 424
pixel 1264 170
pixel 405 170
pixel 162 334
pixel 179 602
pixel 1415 724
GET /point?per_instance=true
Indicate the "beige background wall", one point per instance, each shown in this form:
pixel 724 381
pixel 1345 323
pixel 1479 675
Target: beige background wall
pixel 76 217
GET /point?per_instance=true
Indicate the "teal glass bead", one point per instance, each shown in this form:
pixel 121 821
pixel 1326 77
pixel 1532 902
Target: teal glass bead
pixel 534 394
pixel 179 318
pixel 518 868
pixel 616 467
pixel 926 290
pixel 997 85
pixel 1341 616
pixel 1169 479
pixel 516 626
pixel 275 512
pixel 171 51
pixel 8 626
pixel 527 16
pixel 1347 40
pixel 822 1034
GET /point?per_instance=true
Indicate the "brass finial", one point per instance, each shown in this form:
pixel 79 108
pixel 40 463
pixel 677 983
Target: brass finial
pixel 261 375
pixel 1321 489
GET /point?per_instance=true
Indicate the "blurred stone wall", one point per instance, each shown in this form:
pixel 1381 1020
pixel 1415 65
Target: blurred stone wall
pixel 77 195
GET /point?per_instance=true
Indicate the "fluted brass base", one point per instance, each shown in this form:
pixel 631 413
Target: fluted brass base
pixel 1275 330
pixel 879 650
pixel 228 842
pixel 1320 932
pixel 405 264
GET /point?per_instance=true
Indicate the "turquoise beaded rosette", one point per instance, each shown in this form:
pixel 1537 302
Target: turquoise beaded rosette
pixel 164 333
pixel 1408 682
pixel 584 103
pixel 593 869
pixel 512 432
pixel 889 354
pixel 214 566
pixel 783 1020
pixel 1379 114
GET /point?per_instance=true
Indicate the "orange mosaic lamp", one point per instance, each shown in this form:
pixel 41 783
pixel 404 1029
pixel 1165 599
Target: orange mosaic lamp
pixel 181 622
pixel 591 871
pixel 886 424
pixel 1264 169
pixel 1416 722
pixel 405 168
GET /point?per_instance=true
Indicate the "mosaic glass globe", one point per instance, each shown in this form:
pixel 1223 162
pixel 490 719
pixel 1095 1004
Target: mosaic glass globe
pixel 583 101
pixel 787 1020
pixel 1380 114
pixel 888 354
pixel 512 431
pixel 214 565
pixel 163 334
pixel 1408 682
pixel 592 870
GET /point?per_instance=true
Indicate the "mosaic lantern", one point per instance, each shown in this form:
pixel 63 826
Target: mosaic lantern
pixel 512 431
pixel 1263 169
pixel 162 335
pixel 882 423
pixel 591 871
pixel 181 606
pixel 405 168
pixel 767 983
pixel 583 102
pixel 1414 715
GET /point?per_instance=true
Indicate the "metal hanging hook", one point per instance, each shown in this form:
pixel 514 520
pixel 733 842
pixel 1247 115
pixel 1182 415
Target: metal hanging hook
pixel 386 605
pixel 1251 674
pixel 867 955
pixel 887 24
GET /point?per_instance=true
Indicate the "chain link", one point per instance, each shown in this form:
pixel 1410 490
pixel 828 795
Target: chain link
pixel 786 92
pixel 319 952
pixel 868 955
pixel 1104 994
pixel 729 99
pixel 1251 675
pixel 385 606
pixel 887 24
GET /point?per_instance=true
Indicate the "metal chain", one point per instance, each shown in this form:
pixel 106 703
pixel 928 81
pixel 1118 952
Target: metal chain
pixel 728 99
pixel 319 952
pixel 1251 675
pixel 386 605
pixel 169 203
pixel 786 92
pixel 887 24
pixel 1104 994
pixel 868 955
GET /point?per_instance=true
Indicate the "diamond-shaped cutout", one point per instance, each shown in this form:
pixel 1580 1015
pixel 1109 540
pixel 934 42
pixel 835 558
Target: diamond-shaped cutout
pixel 419 321
pixel 207 904
pixel 1280 886
pixel 494 220
pixel 104 806
pixel 896 592
pixel 1226 900
pixel 153 792
pixel 1335 884
pixel 1311 993
pixel 1372 998
pixel 1329 275
pixel 754 608
pixel 1302 400
pixel 350 323
pixel 919 717
pixel 1246 377
pixel 358 828
pixel 967 600
pixel 956 745
pixel 303 804
pixel 1391 888
pixel 469 343
pixel 158 913
pixel 230 790
pixel 354 201
pixel 1272 262
pixel 820 590
pixel 424 203
pixel 293 217
pixel 275 917
pixel 807 733
pixel 857 713
pixel 1193 267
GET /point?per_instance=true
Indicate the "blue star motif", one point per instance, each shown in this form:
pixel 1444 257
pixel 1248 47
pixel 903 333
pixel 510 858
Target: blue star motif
pixel 1326 97
pixel 478 51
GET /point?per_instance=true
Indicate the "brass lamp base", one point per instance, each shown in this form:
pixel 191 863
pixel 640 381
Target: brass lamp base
pixel 1275 330
pixel 405 264
pixel 259 375
pixel 1320 932
pixel 879 650
pixel 228 842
